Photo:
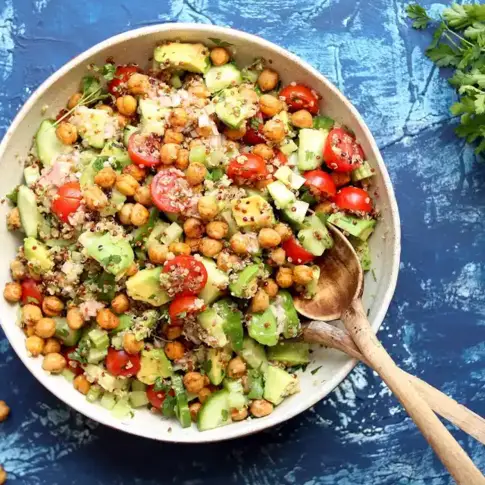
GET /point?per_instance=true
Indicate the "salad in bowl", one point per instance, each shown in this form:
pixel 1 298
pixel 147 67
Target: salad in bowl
pixel 168 216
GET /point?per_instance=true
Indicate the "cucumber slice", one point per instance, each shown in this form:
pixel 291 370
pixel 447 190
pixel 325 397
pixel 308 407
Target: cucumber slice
pixel 127 132
pixel 108 401
pixel 315 238
pixel 254 354
pixel 361 228
pixel 65 333
pixel 94 393
pixel 222 77
pixel 295 213
pixel 282 196
pixel 29 212
pixel 263 328
pixel 363 172
pixel 215 412
pixel 255 384
pixel 289 178
pixel 95 356
pixel 99 338
pixel 48 146
pixel 182 410
pixel 311 144
pixel 138 399
pixel 243 286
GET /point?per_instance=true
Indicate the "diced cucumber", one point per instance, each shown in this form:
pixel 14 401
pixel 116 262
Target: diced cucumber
pixel 95 356
pixel 288 147
pixel 363 172
pixel 282 196
pixel 138 399
pixel 182 410
pixel 172 233
pixel 48 146
pixel 256 384
pixel 99 338
pixel 289 178
pixel 122 409
pixel 237 399
pixel 116 202
pixel 312 287
pixel 244 285
pixel 127 132
pixel 263 328
pixel 315 238
pixel 222 77
pixel 355 226
pixel 138 386
pixel 290 353
pixel 152 116
pixel 68 375
pixel 197 154
pixel 254 354
pixel 310 149
pixel 29 212
pixel 296 212
pixel 66 334
pixel 278 384
pixel 217 360
pixel 284 302
pixel 108 401
pixel 126 321
pixel 31 174
pixel 175 81
pixel 94 393
pixel 215 411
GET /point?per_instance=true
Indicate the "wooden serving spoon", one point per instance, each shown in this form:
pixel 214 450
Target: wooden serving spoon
pixel 339 296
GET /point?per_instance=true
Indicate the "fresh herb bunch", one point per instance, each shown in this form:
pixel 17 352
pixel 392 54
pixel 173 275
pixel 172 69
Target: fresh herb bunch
pixel 459 42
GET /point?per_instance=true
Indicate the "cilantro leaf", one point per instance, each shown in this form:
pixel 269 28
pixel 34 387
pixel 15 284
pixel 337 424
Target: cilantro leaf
pixel 12 196
pixel 90 85
pixel 108 71
pixel 419 15
pixel 443 55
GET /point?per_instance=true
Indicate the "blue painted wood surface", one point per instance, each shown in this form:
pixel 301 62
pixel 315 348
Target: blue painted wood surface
pixel 435 327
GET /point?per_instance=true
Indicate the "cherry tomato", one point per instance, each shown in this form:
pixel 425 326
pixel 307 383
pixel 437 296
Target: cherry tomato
pixel 247 167
pixel 254 131
pixel 31 292
pixel 342 153
pixel 353 199
pixel 67 201
pixel 320 183
pixel 144 150
pixel 73 365
pixel 295 251
pixel 156 398
pixel 187 275
pixel 299 97
pixel 122 74
pixel 120 363
pixel 281 157
pixel 181 307
pixel 170 191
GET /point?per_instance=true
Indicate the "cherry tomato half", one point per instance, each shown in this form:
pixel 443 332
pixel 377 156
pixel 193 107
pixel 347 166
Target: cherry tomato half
pixel 342 153
pixel 247 168
pixel 144 150
pixel 156 398
pixel 281 157
pixel 31 292
pixel 181 307
pixel 73 365
pixel 320 183
pixel 254 131
pixel 122 74
pixel 295 251
pixel 170 191
pixel 299 97
pixel 67 201
pixel 353 199
pixel 188 276
pixel 120 363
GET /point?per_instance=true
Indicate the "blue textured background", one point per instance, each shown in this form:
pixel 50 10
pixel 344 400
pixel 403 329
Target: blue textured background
pixel 436 324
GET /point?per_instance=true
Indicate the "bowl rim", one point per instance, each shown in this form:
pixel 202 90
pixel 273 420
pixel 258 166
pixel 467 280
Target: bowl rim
pixel 276 418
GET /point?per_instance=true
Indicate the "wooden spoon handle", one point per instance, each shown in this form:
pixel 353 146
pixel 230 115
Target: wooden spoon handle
pixel 462 417
pixel 445 446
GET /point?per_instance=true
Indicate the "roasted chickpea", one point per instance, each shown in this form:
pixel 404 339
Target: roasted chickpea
pixel 143 196
pixel 203 394
pixel 249 95
pixel 138 173
pixel 270 105
pixel 284 231
pixel 263 151
pixel 270 287
pixel 268 80
pixel 124 214
pixel 174 350
pixel 194 409
pixel 239 414
pixel 66 133
pixel 126 105
pixel 169 153
pixel 17 269
pixel 274 130
pixel 139 215
pixel 95 198
pixel 132 270
pixel 284 277
pixel 260 301
pixel 326 206
pixel 236 368
pixel 107 319
pixel 54 363
pixel 277 256
pixel 126 184
pixel 120 304
pixel 204 131
pixel 179 248
pixel 219 56
pixel 194 243
pixel 193 227
pixel 81 384
pixel 208 207
pixel 178 117
pixel 74 318
pixel 268 238
pixel 302 274
pixel 105 107
pixel 52 306
pixel 302 119
pixel 210 247
pixel 29 331
pixel 173 332
pixel 239 243
pixel 45 328
pixel 172 136
pixel 13 219
pixel 199 91
pixel 51 345
pixel 260 408
pixel 34 345
pixel 3 475
pixel 74 100
pixel 226 261
pixel 235 133
pixel 105 178
pixel 131 344
pixel 31 314
pixel 122 120
pixel 217 229
pixel 194 382
pixel 12 292
pixel 157 253
pixel 196 143
pixel 4 411
pixel 195 173
pixel 138 83
pixel 182 161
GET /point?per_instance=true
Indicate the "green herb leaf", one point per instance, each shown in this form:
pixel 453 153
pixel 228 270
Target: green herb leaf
pixel 419 15
pixel 443 55
pixel 219 42
pixel 13 195
pixel 109 71
pixel 90 85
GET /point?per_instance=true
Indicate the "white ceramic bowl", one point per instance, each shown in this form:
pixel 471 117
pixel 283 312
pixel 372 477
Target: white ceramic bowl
pixel 137 46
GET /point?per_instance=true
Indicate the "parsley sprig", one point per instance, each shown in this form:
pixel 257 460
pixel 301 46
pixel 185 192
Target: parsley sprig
pixel 459 42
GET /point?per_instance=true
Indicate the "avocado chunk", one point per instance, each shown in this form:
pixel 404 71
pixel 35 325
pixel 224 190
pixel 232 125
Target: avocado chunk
pixel 217 282
pixel 65 333
pixel 254 354
pixel 310 149
pixel 286 315
pixel 107 381
pixel 114 255
pixel 145 323
pixel 116 202
pixel 145 286
pixel 48 146
pixel 95 126
pixel 183 56
pixel 28 210
pixel 281 194
pixel 279 384
pixel 252 212
pixel 246 283
pixel 295 213
pixel 363 252
pixel 233 109
pixel 212 326
pixel 355 226
pixel 290 353
pixel 237 399
pixel 154 364
pixel 37 255
pixel 315 237
pixel 232 322
pixel 217 360
pixel 182 409
pixel 255 384
pixel 263 328
pixel 117 155
pixel 222 77
pixel 153 118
